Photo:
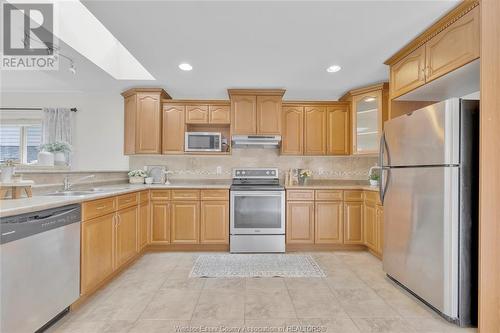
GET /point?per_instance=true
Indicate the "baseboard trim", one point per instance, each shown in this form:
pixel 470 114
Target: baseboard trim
pixel 325 247
pixel 186 247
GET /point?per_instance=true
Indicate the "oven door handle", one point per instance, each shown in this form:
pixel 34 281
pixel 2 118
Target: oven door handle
pixel 257 193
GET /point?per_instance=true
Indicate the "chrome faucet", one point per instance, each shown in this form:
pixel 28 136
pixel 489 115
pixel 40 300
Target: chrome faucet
pixel 67 184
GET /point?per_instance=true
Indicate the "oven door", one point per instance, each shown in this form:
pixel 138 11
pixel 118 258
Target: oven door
pixel 257 212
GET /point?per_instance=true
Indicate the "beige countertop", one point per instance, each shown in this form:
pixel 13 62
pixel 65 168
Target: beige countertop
pixel 333 184
pixel 41 202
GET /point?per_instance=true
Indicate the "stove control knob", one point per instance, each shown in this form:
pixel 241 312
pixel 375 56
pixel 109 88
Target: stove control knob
pixel 237 172
pixel 267 172
pixel 243 172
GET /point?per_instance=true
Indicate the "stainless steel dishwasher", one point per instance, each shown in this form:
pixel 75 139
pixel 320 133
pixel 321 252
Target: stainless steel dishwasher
pixel 40 267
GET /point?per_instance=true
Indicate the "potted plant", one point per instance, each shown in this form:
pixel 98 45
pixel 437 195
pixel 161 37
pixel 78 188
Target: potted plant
pixel 137 176
pixel 374 178
pixel 59 149
pixel 304 174
pixel 8 168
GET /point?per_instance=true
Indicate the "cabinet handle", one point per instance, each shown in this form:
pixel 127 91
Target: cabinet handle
pixel 101 207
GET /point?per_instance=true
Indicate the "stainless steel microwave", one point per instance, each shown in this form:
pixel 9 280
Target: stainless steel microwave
pixel 203 141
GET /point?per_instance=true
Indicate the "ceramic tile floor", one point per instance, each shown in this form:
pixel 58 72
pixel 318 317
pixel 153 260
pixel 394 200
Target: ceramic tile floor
pixel 156 295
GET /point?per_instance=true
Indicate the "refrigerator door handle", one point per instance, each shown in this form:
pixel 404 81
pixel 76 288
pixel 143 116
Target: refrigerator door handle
pixel 383 146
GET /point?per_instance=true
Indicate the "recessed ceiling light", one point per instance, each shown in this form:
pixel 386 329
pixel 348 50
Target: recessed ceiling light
pixel 369 99
pixel 333 69
pixel 185 66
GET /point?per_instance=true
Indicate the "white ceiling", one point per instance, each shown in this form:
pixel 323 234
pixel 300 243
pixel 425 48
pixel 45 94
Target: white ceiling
pixel 246 44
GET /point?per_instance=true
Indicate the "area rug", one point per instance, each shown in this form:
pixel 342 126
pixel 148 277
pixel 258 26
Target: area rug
pixel 255 265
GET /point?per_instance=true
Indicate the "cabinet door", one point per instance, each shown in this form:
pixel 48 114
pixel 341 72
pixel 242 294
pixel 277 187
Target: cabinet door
pixel 269 115
pixel 148 124
pixel 369 226
pixel 353 223
pixel 329 220
pixel 300 222
pixel 144 224
pixel 337 139
pixel 453 47
pixel 219 114
pixel 126 235
pixel 366 122
pixel 130 104
pixel 315 130
pixel 196 114
pixel 173 129
pixel 96 251
pixel 185 221
pixel 214 222
pixel 244 114
pixel 292 142
pixel 160 222
pixel 408 73
pixel 379 225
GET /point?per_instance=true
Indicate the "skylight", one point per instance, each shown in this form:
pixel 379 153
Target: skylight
pixel 76 26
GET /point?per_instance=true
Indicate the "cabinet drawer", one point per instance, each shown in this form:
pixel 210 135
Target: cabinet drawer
pixel 185 194
pixel 300 195
pixel 96 208
pixel 328 195
pixel 127 200
pixel 353 195
pixel 214 195
pixel 372 196
pixel 160 195
pixel 143 196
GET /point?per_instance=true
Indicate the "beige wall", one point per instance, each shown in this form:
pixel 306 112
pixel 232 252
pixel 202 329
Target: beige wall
pixel 338 167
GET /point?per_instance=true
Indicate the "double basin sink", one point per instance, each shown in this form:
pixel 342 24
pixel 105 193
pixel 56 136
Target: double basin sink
pixel 77 193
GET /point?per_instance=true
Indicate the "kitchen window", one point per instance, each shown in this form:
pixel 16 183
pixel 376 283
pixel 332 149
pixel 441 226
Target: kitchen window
pixel 20 142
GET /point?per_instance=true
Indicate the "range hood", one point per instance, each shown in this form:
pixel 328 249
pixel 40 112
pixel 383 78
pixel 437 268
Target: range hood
pixel 256 141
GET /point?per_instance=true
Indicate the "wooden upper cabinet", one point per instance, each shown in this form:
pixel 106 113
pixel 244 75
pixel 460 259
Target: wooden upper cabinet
pixel 300 222
pixel 126 235
pixel 219 114
pixel 173 129
pixel 96 251
pixel 269 115
pixel 329 222
pixel 453 47
pixel 337 120
pixel 353 222
pixel 292 141
pixel 142 129
pixel 196 114
pixel 244 114
pixel 185 222
pixel 315 130
pixel 214 222
pixel 408 73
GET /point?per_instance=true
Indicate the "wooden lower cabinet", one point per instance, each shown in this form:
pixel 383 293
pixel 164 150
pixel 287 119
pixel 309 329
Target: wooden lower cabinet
pixel 379 227
pixel 214 223
pixel 185 221
pixel 300 222
pixel 353 223
pixel 143 225
pixel 369 228
pixel 96 251
pixel 160 222
pixel 126 235
pixel 329 220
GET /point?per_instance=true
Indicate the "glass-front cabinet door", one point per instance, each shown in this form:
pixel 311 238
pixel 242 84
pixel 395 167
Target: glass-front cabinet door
pixel 367 122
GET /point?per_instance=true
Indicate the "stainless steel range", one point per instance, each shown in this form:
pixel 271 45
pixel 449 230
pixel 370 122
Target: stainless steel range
pixel 257 211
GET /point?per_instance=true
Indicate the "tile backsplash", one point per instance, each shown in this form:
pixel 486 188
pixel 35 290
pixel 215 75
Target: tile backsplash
pixel 186 166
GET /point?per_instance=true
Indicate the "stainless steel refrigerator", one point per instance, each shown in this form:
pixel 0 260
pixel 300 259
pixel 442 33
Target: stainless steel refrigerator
pixel 429 189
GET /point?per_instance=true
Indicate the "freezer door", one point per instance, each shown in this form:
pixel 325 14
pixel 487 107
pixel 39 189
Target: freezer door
pixel 421 233
pixel 429 136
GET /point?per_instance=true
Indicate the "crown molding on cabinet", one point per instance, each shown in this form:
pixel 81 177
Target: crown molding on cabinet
pixel 359 91
pixel 260 92
pixel 162 92
pixel 444 22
